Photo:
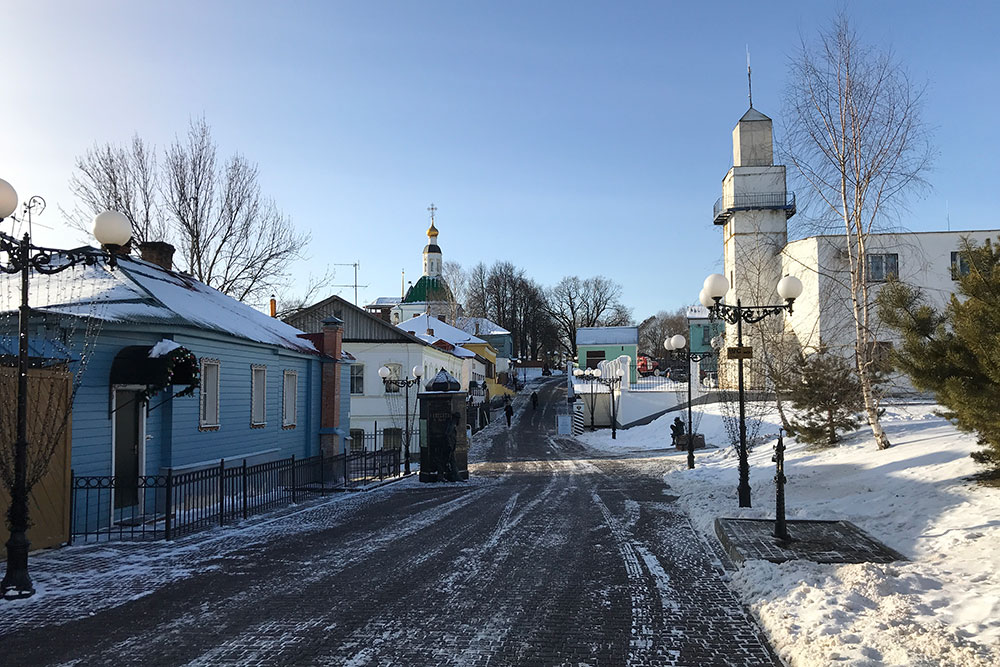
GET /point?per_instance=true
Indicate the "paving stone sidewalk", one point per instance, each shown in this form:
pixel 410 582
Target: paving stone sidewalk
pixel 548 556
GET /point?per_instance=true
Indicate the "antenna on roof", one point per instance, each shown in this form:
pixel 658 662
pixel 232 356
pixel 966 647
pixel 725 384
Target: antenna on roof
pixel 355 284
pixel 947 214
pixel 749 81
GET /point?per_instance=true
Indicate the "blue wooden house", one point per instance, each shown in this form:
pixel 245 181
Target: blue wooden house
pixel 180 377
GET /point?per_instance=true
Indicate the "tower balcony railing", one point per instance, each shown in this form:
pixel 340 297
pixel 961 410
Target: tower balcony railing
pixel 726 205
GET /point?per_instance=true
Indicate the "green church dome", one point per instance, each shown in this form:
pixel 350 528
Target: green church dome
pixel 428 289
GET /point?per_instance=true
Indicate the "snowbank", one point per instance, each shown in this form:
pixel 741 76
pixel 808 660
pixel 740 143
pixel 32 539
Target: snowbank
pixel 940 608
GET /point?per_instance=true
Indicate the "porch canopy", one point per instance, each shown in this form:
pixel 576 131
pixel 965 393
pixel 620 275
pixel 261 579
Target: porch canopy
pixel 134 365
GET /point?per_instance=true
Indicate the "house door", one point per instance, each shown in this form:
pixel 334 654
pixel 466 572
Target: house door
pixel 129 424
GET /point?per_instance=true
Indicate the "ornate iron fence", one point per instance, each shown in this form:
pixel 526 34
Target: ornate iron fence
pixel 175 504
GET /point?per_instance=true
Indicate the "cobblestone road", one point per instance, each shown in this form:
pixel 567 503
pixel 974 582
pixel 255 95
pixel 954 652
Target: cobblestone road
pixel 548 556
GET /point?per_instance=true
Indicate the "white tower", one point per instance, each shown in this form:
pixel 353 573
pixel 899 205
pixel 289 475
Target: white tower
pixel 754 211
pixel 432 251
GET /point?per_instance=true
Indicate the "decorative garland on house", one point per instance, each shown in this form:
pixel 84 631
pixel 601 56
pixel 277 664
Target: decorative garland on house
pixel 176 360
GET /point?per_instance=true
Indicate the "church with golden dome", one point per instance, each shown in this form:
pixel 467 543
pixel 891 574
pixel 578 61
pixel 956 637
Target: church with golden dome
pixel 430 294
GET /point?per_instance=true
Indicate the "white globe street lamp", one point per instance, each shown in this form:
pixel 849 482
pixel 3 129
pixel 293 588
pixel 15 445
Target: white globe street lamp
pixel 715 288
pixel 111 228
pixel 8 199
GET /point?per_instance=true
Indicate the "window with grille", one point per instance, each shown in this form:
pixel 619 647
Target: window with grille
pixel 357 439
pixel 289 398
pixel 392 438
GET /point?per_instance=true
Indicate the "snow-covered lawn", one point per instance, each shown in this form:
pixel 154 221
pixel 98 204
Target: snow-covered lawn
pixel 942 607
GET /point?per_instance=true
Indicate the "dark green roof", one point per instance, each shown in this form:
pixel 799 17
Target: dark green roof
pixel 428 289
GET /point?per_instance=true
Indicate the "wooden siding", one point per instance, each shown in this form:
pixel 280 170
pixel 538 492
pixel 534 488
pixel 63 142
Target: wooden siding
pixel 359 325
pixel 173 438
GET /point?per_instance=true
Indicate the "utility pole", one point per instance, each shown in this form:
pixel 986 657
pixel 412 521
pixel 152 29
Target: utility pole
pixel 355 285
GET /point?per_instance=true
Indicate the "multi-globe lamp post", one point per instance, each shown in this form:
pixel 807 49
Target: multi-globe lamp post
pixel 112 230
pixel 590 375
pixel 386 374
pixel 595 375
pixel 714 289
pixel 675 346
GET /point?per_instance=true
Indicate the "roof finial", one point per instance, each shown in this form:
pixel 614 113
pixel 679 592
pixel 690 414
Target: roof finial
pixel 432 208
pixel 749 81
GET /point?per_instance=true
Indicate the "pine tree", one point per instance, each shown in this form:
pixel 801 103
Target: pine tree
pixel 825 391
pixel 956 353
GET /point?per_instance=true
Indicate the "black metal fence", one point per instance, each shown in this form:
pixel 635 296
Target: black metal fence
pixel 173 504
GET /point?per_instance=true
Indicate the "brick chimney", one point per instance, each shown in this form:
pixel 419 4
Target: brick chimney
pixel 157 252
pixel 332 345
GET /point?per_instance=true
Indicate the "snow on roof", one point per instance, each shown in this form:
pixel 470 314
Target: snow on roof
pixel 698 312
pixel 457 351
pixel 480 326
pixel 386 301
pixel 607 336
pixel 140 292
pixel 421 323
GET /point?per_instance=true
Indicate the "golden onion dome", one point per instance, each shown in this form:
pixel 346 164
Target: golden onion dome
pixel 432 231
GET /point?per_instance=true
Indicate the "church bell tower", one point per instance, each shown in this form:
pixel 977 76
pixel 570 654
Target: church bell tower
pixel 432 251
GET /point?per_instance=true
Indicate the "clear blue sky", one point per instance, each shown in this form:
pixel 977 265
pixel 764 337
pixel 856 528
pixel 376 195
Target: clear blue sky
pixel 567 137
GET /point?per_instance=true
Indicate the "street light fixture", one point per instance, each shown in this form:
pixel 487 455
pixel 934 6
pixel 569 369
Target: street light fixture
pixel 112 230
pixel 590 375
pixel 385 373
pixel 715 287
pixel 596 375
pixel 675 345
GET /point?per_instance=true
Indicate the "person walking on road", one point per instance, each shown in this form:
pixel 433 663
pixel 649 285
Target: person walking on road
pixel 508 411
pixel 534 400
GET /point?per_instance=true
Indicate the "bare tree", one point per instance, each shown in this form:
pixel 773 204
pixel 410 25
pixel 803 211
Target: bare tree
pixel 457 280
pixel 657 328
pixel 592 302
pixel 123 179
pixel 855 135
pixel 228 233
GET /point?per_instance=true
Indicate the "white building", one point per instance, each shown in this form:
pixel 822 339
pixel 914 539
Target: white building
pixel 474 351
pixel 374 343
pixel 753 212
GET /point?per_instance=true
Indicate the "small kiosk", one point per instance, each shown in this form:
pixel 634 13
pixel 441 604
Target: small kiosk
pixel 444 445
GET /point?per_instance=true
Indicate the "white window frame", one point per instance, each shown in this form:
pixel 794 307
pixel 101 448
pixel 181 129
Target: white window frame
pixel 359 375
pixel 209 394
pixel 290 380
pixel 256 369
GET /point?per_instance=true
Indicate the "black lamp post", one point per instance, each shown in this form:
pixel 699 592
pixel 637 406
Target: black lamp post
pixel 405 383
pixel 613 382
pixel 789 288
pixel 675 345
pixel 112 230
pixel 590 375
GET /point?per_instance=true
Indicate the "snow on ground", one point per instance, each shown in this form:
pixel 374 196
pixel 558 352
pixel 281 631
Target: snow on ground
pixel 942 607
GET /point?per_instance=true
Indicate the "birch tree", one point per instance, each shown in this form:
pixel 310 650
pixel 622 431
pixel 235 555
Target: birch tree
pixel 854 134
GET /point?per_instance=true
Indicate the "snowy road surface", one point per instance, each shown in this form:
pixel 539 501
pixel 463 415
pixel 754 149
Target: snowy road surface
pixel 548 556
